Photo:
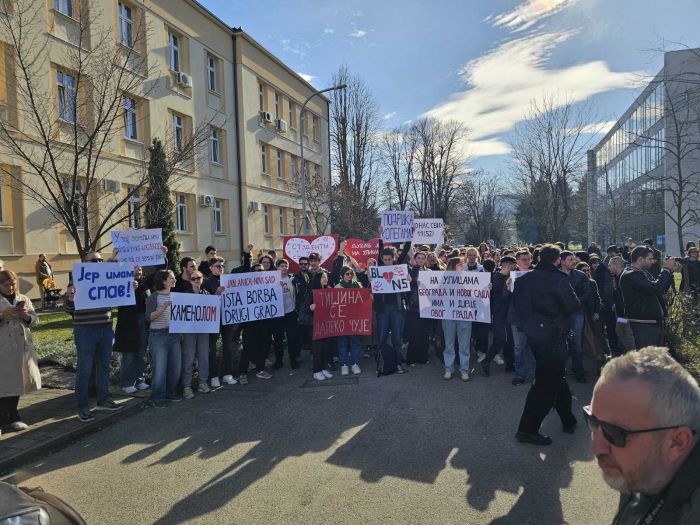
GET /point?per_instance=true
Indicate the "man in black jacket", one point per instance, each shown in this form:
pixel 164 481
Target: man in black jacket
pixel 545 300
pixel 655 268
pixel 500 301
pixel 643 295
pixel 579 283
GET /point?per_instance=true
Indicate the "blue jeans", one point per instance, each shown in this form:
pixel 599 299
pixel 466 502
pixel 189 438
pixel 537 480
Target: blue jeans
pixel 195 345
pixel 94 346
pixel 165 363
pixel 349 350
pixel 462 330
pixel 524 360
pixel 391 320
pixel 133 364
pixel 576 342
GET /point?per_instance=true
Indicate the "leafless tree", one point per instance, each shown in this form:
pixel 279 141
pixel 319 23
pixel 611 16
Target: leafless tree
pixel 398 160
pixel 478 212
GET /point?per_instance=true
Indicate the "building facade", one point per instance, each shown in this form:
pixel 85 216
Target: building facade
pixel 643 177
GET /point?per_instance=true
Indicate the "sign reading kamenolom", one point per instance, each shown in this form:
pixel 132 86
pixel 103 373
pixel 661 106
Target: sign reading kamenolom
pixel 459 296
pixel 389 279
pixel 250 297
pixel 103 285
pixel 397 226
pixel 142 247
pixel 428 231
pixel 194 313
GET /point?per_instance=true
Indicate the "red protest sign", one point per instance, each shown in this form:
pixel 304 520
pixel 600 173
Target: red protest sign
pixel 342 311
pixel 361 250
pixel 297 246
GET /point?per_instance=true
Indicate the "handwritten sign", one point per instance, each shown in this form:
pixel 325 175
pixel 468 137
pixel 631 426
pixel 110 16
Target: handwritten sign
pixel 194 313
pixel 513 276
pixel 428 231
pixel 103 285
pixel 460 296
pixel 295 247
pixel 342 311
pixel 142 247
pixel 397 226
pixel 250 297
pixel 389 279
pixel 361 250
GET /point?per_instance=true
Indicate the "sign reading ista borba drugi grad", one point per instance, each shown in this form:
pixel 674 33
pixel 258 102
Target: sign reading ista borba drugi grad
pixel 459 296
pixel 251 296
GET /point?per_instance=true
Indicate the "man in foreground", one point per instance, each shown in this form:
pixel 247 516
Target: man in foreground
pixel 644 418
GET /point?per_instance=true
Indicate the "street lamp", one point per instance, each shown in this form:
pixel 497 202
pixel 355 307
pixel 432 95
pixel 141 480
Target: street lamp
pixel 301 146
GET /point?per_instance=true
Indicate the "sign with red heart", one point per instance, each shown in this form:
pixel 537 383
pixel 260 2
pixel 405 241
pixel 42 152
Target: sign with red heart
pixel 361 250
pixel 297 246
pixel 389 279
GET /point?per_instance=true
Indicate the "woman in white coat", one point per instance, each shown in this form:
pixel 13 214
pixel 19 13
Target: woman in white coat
pixel 19 373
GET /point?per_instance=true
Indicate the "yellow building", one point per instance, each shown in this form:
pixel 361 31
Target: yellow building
pixel 241 184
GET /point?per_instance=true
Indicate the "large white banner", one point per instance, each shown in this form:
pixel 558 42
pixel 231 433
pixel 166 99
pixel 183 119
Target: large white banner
pixel 251 296
pixel 459 296
pixel 103 285
pixel 397 226
pixel 389 279
pixel 142 247
pixel 194 313
pixel 428 231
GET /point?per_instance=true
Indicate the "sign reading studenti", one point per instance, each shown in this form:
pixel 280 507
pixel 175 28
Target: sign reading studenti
pixel 428 231
pixel 194 313
pixel 342 311
pixel 389 279
pixel 142 247
pixel 459 296
pixel 251 296
pixel 397 226
pixel 103 285
pixel 297 246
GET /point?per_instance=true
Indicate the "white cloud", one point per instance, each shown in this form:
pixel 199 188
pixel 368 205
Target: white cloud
pixel 357 33
pixel 308 78
pixel 389 115
pixel 598 127
pixel 502 83
pixel 299 48
pixel 528 13
pixel 328 31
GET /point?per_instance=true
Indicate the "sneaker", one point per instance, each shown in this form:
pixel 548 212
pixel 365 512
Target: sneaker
pixel 465 376
pixel 85 415
pixel 517 381
pixel 499 360
pixel 318 376
pixel 344 370
pixel 187 393
pixel 143 386
pixel 263 375
pixel 400 370
pixel 203 388
pixel 446 376
pixel 243 380
pixel 18 426
pixel 109 405
pixel 174 399
pixel 215 383
pixel 159 405
pixel 480 356
pixel 130 390
pixel 229 380
pixel 356 369
pixel 327 374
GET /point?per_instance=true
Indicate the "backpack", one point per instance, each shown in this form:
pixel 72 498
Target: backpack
pixel 39 506
pixel 386 360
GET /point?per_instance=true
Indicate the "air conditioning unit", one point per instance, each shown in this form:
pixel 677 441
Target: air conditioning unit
pixel 254 206
pixel 266 117
pixel 184 80
pixel 206 200
pixel 112 186
pixel 282 125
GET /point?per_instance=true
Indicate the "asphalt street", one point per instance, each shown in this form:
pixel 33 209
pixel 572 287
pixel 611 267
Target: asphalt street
pixel 409 448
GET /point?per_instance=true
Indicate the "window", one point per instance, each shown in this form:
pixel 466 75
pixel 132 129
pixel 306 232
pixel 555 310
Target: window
pixel 292 124
pixel 316 173
pixel 295 167
pixel 181 213
pixel 174 46
pixel 66 96
pixel 277 106
pixel 261 96
pixel 130 118
pixel 134 204
pixel 64 7
pixel 177 133
pixel 281 221
pixel 211 72
pixel 126 25
pixel 218 217
pixel 266 219
pixel 294 222
pixel 314 127
pixel 263 157
pixel 280 174
pixel 215 146
pixel 2 200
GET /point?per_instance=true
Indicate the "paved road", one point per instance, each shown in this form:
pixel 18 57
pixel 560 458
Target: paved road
pixel 397 449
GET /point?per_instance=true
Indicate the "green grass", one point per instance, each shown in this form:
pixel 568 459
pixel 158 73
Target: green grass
pixel 53 338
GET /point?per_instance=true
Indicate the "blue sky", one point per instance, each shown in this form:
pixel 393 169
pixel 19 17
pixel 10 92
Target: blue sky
pixel 477 61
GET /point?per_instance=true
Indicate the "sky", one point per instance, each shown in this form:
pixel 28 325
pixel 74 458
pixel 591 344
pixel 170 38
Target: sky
pixel 481 62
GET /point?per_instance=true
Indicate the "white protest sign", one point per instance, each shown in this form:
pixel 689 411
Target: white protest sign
pixel 459 296
pixel 513 276
pixel 397 226
pixel 389 279
pixel 251 296
pixel 192 313
pixel 103 285
pixel 142 247
pixel 428 231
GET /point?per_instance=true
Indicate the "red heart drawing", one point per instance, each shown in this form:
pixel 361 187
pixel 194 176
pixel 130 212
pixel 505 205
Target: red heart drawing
pixel 388 276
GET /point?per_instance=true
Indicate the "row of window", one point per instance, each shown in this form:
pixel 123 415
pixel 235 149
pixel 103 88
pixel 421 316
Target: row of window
pixel 282 225
pixel 284 106
pixel 279 166
pixel 182 214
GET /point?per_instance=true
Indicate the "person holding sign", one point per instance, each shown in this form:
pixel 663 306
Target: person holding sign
pixel 460 330
pixel 319 347
pixel 500 301
pixel 195 345
pixel 348 345
pixel 418 328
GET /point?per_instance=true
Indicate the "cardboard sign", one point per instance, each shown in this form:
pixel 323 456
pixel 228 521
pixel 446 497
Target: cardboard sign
pixel 142 247
pixel 513 276
pixel 389 279
pixel 251 296
pixel 361 250
pixel 192 313
pixel 342 311
pixel 460 296
pixel 103 285
pixel 397 226
pixel 428 231
pixel 297 246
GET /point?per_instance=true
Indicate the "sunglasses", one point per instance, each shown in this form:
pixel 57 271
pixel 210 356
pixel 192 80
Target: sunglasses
pixel 218 266
pixel 195 279
pixel 349 273
pixel 95 260
pixel 613 434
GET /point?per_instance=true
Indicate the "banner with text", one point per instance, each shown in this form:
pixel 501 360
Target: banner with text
pixel 389 279
pixel 460 296
pixel 428 231
pixel 361 250
pixel 250 297
pixel 297 246
pixel 397 226
pixel 194 313
pixel 103 285
pixel 342 311
pixel 142 247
